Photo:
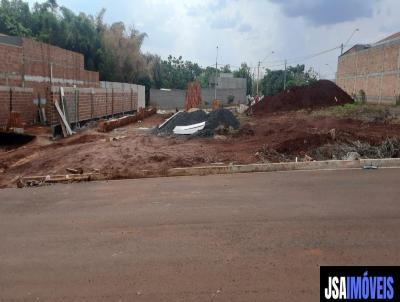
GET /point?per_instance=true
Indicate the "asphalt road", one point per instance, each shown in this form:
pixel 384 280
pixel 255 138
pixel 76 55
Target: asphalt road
pixel 244 237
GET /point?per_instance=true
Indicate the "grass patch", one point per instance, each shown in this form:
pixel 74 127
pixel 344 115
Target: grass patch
pixel 364 112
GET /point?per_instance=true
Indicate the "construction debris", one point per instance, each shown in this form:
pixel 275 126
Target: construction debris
pixel 389 148
pixel 242 108
pixel 117 138
pixel 74 171
pixel 106 126
pixel 35 181
pixel 213 120
pixel 190 129
pixel 61 111
pixel 181 118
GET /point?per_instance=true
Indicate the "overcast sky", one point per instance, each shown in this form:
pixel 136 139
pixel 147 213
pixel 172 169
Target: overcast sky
pixel 248 31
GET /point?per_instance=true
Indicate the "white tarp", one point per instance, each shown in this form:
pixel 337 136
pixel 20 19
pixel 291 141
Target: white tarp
pixel 190 129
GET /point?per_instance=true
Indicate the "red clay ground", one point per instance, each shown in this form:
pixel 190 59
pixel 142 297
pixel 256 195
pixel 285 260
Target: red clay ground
pixel 290 134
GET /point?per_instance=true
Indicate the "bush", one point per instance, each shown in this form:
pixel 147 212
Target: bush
pixel 361 97
pixel 230 99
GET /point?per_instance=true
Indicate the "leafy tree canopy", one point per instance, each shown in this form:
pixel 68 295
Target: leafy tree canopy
pixel 114 50
pixel 273 81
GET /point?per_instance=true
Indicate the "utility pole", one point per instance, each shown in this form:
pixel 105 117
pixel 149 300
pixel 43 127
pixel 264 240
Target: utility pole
pixel 258 74
pixel 284 78
pixel 258 67
pixel 215 79
pixel 348 40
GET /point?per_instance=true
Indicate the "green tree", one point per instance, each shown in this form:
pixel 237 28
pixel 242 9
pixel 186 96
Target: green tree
pixel 15 18
pixel 206 75
pixel 273 81
pixel 176 73
pixel 244 72
pixel 225 69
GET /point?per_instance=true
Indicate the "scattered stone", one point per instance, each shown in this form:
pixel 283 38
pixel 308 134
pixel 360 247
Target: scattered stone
pixel 117 138
pixel 241 108
pixel 332 133
pixel 352 156
pixel 307 158
pixel 74 171
pixel 220 137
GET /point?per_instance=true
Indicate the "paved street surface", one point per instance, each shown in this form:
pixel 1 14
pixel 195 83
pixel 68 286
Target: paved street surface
pixel 244 237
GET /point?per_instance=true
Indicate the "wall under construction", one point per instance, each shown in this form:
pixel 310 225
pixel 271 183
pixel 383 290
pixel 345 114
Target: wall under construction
pixel 82 104
pixel 374 68
pixel 16 99
pixel 31 74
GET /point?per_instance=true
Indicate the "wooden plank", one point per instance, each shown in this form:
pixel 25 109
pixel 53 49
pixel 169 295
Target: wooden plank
pixel 64 106
pixel 33 181
pixel 63 121
pixel 64 130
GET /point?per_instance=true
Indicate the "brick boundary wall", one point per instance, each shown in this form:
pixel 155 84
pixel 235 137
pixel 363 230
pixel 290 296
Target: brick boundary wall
pixel 17 99
pixel 40 65
pixel 84 104
pixel 376 70
pixel 44 68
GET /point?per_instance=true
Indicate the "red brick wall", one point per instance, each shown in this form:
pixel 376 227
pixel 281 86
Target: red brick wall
pixel 10 65
pixel 33 64
pixel 4 107
pixel 375 70
pixel 93 103
pixel 21 100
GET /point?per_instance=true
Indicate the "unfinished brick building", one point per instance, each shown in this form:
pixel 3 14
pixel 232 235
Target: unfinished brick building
pixel 373 69
pixel 31 74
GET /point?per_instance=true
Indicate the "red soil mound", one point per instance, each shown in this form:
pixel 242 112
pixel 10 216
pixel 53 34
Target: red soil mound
pixel 320 94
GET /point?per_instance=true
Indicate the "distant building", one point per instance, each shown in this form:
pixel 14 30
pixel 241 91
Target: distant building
pixel 372 68
pixel 227 81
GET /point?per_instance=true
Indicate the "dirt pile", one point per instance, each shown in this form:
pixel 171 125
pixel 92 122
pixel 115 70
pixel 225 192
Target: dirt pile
pixel 323 93
pixel 215 119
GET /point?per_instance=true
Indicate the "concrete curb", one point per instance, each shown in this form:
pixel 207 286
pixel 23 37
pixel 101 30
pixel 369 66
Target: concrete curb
pixel 288 166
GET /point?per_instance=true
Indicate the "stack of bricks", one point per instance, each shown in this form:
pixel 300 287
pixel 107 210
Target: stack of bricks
pixel 106 126
pixel 193 96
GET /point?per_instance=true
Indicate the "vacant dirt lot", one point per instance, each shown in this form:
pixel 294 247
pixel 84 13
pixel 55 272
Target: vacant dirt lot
pixel 131 152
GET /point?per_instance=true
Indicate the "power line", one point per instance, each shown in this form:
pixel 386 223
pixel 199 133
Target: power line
pixel 293 60
pixel 279 63
pixel 303 58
